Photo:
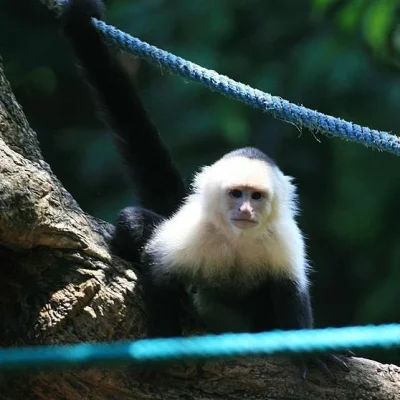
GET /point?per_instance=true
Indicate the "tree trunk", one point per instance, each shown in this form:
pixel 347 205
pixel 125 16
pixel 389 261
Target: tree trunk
pixel 60 284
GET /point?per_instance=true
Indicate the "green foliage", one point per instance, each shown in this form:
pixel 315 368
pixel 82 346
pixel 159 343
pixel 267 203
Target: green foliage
pixel 330 55
pixel 377 23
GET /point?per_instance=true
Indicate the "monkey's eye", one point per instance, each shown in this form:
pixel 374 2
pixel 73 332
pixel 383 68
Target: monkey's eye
pixel 256 195
pixel 235 193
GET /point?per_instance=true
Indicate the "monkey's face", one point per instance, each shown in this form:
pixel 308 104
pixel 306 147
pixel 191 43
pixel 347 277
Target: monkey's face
pixel 237 194
pixel 246 206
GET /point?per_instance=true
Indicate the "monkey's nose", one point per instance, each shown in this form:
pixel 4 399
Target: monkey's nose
pixel 245 213
pixel 246 208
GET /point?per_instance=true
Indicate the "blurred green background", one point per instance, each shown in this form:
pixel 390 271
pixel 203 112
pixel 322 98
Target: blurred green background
pixel 339 57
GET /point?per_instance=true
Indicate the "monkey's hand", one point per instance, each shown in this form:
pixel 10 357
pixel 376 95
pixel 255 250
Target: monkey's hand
pixel 320 363
pixel 76 15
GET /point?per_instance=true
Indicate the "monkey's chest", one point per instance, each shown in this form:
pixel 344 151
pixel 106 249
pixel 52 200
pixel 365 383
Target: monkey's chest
pixel 223 255
pixel 233 309
pixel 238 263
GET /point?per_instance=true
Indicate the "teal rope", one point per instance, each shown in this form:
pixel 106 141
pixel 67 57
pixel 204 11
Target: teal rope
pixel 279 108
pixel 163 351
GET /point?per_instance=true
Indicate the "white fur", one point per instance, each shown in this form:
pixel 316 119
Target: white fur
pixel 199 242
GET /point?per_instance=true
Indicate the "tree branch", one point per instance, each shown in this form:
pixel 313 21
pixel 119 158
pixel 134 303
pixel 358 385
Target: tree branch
pixel 59 283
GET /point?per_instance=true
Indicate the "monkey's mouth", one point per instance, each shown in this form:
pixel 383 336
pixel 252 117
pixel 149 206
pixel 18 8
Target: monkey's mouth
pixel 243 223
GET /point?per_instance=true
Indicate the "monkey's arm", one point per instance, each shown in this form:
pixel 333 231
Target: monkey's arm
pixel 293 310
pixel 150 164
pixel 163 305
pixel 163 297
pixel 292 306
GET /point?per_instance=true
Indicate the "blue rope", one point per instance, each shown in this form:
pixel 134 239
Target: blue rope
pixel 279 108
pixel 163 351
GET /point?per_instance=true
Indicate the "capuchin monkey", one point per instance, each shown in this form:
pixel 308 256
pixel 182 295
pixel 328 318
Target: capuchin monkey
pixel 230 250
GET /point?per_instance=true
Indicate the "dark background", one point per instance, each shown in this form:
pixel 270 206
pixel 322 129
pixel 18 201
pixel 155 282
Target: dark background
pixel 339 57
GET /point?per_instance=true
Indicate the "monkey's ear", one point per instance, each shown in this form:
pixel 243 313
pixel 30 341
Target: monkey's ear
pixel 291 187
pixel 290 193
pixel 285 191
pixel 201 178
pixel 77 12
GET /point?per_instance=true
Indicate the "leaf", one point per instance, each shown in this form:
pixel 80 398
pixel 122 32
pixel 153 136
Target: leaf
pixel 377 23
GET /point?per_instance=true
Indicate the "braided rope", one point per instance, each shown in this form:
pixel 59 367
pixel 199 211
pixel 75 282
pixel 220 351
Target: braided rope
pixel 278 107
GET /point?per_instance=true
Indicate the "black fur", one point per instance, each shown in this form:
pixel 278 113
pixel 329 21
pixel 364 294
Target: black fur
pixel 274 303
pixel 158 183
pixel 133 228
pixel 166 306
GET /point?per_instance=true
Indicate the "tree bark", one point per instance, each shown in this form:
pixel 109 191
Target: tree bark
pixel 59 283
